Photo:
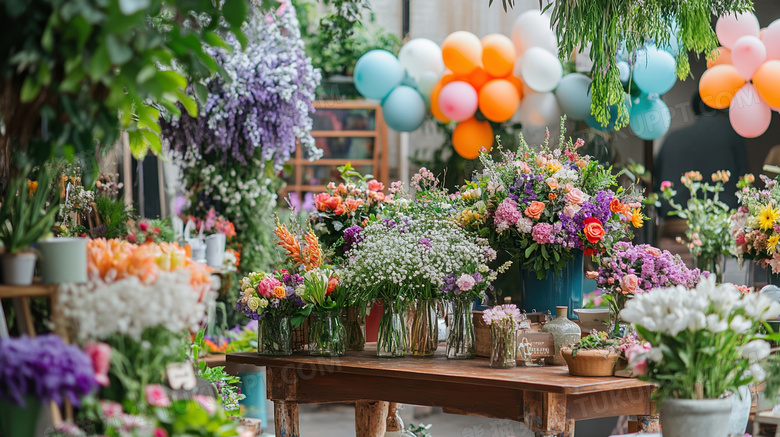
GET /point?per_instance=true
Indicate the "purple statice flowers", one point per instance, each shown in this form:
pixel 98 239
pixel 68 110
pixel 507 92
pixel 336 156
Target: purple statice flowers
pixel 265 102
pixel 352 236
pixel 45 368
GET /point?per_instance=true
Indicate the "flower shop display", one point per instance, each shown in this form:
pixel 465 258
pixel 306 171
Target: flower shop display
pixel 704 342
pixel 756 225
pixel 27 212
pixel 546 208
pixel 564 332
pixel 503 321
pixel 595 355
pixel 217 230
pixel 628 270
pixel 233 153
pixel 37 370
pixel 708 219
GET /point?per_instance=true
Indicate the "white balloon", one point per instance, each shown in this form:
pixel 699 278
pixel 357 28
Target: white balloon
pixel 427 82
pixel 540 110
pixel 533 29
pixel 541 69
pixel 419 56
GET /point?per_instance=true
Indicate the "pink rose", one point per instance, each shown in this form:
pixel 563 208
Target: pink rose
pixel 100 354
pixel 111 409
pixel 639 365
pixel 160 432
pixel 266 287
pixel 157 396
pixel 375 185
pixel 740 239
pixel 665 185
pixel 524 167
pixel 208 404
pixel 575 196
pixel 629 283
pixel 570 210
pixel 331 186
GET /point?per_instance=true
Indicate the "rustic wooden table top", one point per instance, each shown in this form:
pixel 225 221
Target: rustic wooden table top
pixel 552 379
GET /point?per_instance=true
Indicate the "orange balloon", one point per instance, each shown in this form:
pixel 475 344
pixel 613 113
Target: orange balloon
pixel 767 82
pixel 719 84
pixel 435 103
pixel 462 52
pixel 471 136
pixel 518 83
pixel 478 78
pixel 720 56
pixel 448 77
pixel 498 55
pixel 498 100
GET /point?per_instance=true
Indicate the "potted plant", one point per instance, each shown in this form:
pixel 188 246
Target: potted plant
pixel 38 370
pixel 27 214
pixel 705 344
pixel 708 219
pixel 594 355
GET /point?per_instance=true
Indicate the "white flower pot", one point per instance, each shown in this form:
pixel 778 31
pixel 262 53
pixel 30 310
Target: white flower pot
pixel 696 418
pixel 198 248
pixel 63 260
pixel 215 249
pixel 18 269
pixel 740 411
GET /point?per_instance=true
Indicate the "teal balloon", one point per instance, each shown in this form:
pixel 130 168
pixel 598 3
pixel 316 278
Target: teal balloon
pixel 614 111
pixel 655 70
pixel 404 109
pixel 573 96
pixel 649 118
pixel 377 73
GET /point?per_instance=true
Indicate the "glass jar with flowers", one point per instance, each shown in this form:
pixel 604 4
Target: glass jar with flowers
pixel 628 270
pixel 704 343
pixel 270 299
pixel 756 225
pixel 708 219
pixel 547 208
pixel 503 321
pixel 325 299
pixel 354 319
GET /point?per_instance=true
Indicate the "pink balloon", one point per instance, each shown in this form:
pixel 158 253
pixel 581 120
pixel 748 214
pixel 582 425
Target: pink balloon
pixel 747 55
pixel 771 39
pixel 458 101
pixel 730 28
pixel 750 115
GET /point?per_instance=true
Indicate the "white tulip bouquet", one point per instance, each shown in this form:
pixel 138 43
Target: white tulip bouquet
pixel 705 341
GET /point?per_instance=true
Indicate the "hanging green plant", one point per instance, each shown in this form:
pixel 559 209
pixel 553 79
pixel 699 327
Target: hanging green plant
pixel 611 25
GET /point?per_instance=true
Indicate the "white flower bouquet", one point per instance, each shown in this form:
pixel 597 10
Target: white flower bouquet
pixel 705 341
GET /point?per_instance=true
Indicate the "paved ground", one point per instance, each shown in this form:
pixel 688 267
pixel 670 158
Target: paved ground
pixel 337 420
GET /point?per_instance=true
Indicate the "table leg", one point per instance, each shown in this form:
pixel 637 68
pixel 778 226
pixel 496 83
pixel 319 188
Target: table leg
pixel 569 428
pixel 545 414
pixel 286 419
pixel 370 418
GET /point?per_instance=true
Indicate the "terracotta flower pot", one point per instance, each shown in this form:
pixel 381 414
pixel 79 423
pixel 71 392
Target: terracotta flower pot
pixel 595 362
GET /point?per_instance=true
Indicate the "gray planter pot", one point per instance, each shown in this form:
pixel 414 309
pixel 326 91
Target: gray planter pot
pixel 63 260
pixel 696 418
pixel 740 412
pixel 18 269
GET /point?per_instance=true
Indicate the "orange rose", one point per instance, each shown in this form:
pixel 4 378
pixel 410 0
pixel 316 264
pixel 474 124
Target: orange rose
pixel 594 231
pixel 333 282
pixel 340 209
pixel 535 210
pixel 552 196
pixel 333 202
pixel 353 204
pixel 616 205
pixel 552 182
pixel 321 201
pixel 280 292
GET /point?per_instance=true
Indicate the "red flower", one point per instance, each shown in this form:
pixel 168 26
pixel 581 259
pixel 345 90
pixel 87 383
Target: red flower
pixel 594 230
pixel 587 251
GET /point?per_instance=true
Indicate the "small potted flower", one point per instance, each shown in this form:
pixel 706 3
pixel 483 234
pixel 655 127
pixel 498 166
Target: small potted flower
pixel 27 215
pixel 38 370
pixel 594 355
pixel 503 321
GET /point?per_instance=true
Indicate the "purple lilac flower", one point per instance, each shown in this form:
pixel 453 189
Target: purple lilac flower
pixel 655 268
pixel 425 242
pixel 45 368
pixel 352 236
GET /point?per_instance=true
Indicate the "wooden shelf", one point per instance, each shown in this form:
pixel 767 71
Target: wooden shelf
pixel 35 290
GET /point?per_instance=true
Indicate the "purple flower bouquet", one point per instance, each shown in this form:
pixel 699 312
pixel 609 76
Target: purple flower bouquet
pixel 45 368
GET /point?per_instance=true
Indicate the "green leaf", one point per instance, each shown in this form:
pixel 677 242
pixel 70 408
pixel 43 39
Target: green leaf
pixel 188 102
pixel 154 141
pixel 129 7
pixel 118 52
pixel 30 89
pixel 138 146
pixel 100 63
pixel 215 40
pixel 234 12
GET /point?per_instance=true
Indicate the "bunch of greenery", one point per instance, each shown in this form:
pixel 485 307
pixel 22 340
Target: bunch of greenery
pixel 115 215
pixel 596 340
pixel 27 212
pixel 225 384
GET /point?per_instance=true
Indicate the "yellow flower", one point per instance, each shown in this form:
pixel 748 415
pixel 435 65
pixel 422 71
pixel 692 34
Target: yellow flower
pixel 768 216
pixel 771 244
pixel 553 165
pixel 637 218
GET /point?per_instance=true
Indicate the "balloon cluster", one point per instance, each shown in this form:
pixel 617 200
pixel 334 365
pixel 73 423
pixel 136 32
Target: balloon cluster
pixel 744 74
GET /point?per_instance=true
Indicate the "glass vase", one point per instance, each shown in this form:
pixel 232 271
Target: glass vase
pixel 460 340
pixel 714 264
pixel 354 318
pixel 391 338
pixel 327 335
pixel 503 338
pixel 423 328
pixel 274 336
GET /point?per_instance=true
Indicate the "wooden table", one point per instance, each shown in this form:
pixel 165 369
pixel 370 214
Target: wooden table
pixel 547 399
